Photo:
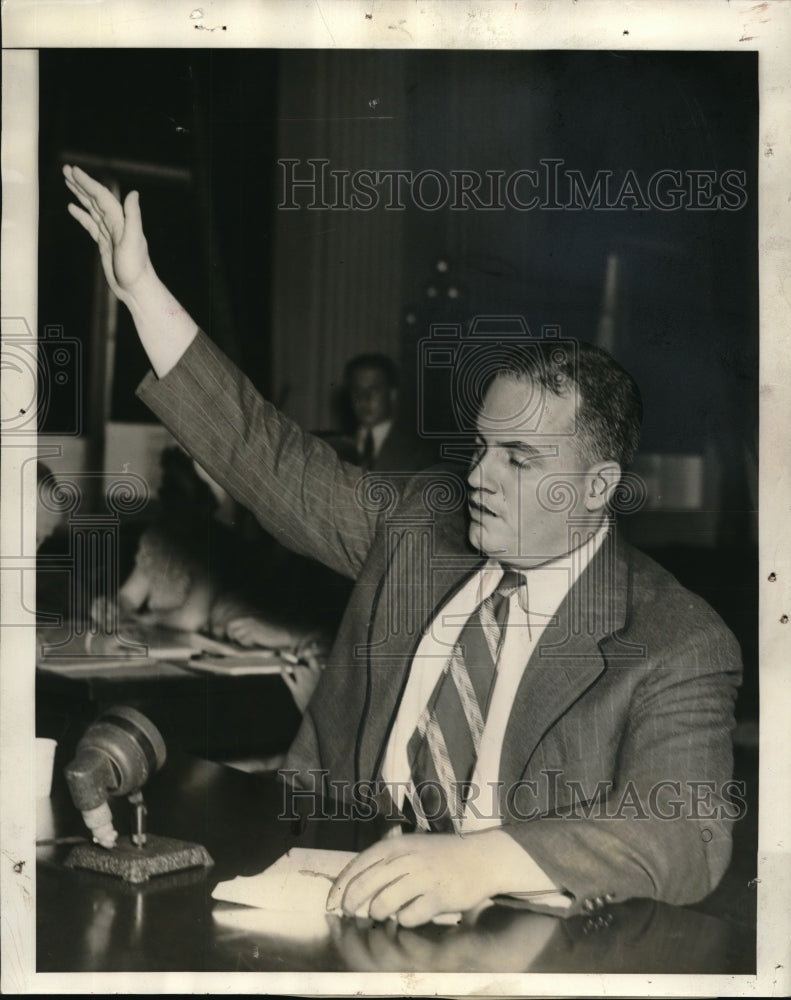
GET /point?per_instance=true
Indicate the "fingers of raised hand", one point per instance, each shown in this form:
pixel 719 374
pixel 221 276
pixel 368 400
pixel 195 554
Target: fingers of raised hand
pixel 132 211
pixel 98 226
pixel 85 186
pixel 101 203
pixel 84 220
pixel 87 200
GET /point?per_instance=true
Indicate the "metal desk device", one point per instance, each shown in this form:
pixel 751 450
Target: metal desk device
pixel 116 756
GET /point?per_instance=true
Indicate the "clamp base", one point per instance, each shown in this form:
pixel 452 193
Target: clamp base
pixel 160 856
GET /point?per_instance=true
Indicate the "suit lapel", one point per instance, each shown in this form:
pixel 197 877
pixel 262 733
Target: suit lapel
pixel 568 658
pixel 427 563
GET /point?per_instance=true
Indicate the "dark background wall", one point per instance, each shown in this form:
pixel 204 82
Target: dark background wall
pixel 687 297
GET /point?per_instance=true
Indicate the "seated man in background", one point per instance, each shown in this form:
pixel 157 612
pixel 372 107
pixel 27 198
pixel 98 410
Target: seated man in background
pixel 380 441
pixel 544 706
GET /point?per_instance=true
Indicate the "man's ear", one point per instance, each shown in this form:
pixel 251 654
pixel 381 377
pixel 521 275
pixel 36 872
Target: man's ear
pixel 600 481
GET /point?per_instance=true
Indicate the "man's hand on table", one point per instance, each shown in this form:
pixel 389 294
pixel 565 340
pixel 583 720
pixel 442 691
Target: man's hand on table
pixel 417 876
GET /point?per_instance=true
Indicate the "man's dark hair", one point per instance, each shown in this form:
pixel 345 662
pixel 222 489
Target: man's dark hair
pixel 609 406
pixel 379 361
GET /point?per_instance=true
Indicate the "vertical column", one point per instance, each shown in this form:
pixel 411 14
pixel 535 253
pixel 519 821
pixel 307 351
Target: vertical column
pixel 338 272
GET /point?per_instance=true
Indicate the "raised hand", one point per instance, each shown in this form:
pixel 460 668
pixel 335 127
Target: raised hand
pixel 116 229
pixel 165 328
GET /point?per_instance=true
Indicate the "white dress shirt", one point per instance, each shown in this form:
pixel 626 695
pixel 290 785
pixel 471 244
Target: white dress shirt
pixel 379 433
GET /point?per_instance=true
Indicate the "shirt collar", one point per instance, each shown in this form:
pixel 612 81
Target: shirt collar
pixel 379 432
pixel 545 582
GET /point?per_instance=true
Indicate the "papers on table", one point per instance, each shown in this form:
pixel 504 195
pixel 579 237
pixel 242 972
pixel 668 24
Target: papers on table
pixel 119 668
pixel 233 660
pixel 254 661
pixel 141 647
pixel 289 899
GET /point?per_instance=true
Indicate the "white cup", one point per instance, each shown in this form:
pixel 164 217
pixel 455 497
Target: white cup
pixel 45 760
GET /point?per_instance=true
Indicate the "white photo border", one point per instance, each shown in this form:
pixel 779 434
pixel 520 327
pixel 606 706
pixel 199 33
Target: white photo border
pixel 690 25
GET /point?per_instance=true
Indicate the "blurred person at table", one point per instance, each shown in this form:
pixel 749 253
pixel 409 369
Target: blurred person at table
pixel 183 557
pixel 193 571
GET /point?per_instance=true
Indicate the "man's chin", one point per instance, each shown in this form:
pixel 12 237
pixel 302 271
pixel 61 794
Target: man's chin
pixel 481 540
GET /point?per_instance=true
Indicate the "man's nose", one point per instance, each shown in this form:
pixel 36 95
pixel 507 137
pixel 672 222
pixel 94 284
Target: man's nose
pixel 479 476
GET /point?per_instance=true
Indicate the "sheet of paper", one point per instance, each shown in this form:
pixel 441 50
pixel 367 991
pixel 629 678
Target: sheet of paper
pixel 254 661
pixel 298 881
pixel 61 652
pixel 290 897
pixel 219 647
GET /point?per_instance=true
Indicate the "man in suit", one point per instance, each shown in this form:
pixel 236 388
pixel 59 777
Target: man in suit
pixel 545 706
pixel 381 442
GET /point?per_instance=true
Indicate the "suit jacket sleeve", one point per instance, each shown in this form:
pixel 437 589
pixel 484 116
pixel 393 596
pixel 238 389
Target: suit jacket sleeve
pixel 663 828
pixel 294 484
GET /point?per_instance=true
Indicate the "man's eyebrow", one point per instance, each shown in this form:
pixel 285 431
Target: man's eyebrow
pixel 519 444
pixel 528 449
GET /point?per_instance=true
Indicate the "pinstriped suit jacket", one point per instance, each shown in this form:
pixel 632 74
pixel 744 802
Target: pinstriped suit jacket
pixel 617 751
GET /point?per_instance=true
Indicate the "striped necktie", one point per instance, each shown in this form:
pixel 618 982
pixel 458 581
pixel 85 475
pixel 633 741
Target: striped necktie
pixel 443 749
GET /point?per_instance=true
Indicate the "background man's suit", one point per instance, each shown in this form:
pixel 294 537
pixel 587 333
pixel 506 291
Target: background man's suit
pixel 634 685
pixel 400 451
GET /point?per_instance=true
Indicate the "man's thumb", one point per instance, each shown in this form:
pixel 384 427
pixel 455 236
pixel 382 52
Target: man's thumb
pixel 132 208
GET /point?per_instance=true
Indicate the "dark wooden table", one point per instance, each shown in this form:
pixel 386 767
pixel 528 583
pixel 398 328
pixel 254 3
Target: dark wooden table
pixel 88 922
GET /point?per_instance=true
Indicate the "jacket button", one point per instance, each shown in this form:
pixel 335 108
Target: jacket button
pixel 589 905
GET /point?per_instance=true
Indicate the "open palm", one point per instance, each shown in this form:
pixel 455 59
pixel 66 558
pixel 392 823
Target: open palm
pixel 117 229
